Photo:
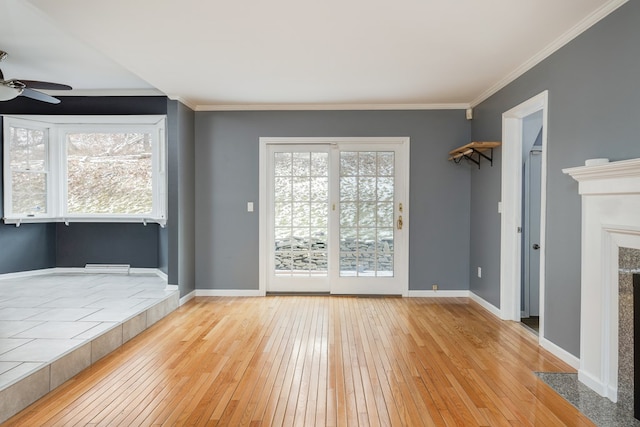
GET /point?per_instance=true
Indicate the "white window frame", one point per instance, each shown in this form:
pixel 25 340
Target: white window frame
pixel 56 128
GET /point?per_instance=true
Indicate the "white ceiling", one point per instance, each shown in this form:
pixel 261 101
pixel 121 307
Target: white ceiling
pixel 215 54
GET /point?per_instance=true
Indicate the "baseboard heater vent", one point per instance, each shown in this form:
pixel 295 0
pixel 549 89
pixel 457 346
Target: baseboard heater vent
pixel 108 268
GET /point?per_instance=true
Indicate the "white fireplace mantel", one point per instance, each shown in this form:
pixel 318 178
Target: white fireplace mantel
pixel 610 220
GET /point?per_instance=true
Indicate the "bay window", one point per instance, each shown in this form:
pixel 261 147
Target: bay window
pixel 84 168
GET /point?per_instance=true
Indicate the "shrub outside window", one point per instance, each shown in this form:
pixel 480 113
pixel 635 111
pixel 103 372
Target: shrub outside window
pixel 106 168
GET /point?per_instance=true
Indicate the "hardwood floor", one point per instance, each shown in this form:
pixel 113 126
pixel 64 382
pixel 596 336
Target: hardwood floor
pixel 317 360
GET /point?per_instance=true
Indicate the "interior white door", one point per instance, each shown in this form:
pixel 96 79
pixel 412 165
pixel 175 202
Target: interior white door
pixel 337 217
pixel 531 235
pixel 533 251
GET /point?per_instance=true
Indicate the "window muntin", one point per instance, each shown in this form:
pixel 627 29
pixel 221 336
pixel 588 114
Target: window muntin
pixel 100 168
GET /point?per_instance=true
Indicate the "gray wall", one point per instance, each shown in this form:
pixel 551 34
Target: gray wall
pixel 594 93
pixel 178 239
pixel 227 149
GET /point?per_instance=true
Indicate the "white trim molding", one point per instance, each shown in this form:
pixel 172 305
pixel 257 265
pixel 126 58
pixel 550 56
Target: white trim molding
pixel 328 107
pixel 485 304
pixel 188 297
pixel 610 221
pixel 79 270
pixel 229 293
pixel 551 48
pixel 438 294
pixel 511 198
pixel 30 273
pixel 560 353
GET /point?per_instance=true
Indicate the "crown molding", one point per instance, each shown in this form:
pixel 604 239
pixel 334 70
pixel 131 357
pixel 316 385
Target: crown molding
pixel 329 107
pixel 561 41
pixel 184 101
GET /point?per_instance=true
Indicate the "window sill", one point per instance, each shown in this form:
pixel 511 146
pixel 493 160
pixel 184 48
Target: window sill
pixel 17 221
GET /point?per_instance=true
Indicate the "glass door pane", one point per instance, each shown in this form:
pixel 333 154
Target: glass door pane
pixel 301 213
pixel 367 213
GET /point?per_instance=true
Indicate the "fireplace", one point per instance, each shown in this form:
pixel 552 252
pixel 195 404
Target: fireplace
pixel 610 220
pixel 629 330
pixel 636 346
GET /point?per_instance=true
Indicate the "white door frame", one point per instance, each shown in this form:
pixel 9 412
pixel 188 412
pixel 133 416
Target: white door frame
pixel 402 260
pixel 511 195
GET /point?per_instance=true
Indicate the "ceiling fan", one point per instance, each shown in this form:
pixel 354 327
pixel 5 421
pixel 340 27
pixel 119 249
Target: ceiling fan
pixel 10 89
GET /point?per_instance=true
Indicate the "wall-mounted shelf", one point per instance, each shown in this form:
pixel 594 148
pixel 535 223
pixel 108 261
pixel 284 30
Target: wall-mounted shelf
pixel 474 152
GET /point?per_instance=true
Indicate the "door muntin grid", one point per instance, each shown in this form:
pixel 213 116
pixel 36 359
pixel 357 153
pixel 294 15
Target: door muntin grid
pixel 366 230
pixel 301 213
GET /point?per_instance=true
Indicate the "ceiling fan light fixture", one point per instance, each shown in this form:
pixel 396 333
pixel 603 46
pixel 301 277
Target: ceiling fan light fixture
pixel 7 93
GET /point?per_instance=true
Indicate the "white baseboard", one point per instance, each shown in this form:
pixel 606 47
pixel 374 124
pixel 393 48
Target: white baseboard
pixel 161 274
pixel 147 271
pixel 28 273
pixel 613 393
pixel 560 353
pixel 485 304
pixel 437 294
pixel 592 383
pixel 188 297
pixel 76 270
pixel 229 293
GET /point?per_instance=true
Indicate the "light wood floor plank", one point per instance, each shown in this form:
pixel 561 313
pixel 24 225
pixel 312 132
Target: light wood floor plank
pixel 316 360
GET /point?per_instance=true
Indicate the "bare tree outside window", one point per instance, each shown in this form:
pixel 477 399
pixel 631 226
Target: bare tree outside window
pixel 109 173
pixel 28 150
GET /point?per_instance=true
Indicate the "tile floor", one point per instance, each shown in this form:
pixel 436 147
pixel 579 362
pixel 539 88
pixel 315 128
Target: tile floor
pixel 53 326
pixel 600 410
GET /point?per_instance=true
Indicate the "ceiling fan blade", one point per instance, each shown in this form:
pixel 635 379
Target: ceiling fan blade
pixel 36 84
pixel 34 94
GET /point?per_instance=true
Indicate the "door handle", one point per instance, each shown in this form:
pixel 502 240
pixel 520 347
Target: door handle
pixel 536 246
pixel 400 222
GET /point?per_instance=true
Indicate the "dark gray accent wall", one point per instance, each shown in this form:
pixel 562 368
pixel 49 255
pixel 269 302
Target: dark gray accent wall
pixel 180 232
pixel 106 243
pixel 33 246
pixel 227 161
pixel 28 247
pixel 594 93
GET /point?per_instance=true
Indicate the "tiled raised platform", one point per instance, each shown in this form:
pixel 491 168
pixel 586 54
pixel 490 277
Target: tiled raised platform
pixel 53 326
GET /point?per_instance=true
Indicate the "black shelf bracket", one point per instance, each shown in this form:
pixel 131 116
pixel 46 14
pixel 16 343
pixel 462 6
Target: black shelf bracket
pixel 478 157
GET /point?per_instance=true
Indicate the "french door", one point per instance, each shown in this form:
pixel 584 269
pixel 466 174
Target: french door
pixel 334 215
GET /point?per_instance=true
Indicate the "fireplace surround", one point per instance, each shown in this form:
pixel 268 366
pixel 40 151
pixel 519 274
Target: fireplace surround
pixel 610 220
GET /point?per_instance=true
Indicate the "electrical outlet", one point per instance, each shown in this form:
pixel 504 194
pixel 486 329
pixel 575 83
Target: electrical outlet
pixel 435 287
pixel 479 271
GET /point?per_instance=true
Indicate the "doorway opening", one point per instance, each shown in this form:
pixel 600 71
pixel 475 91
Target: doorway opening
pixel 523 221
pixel 531 197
